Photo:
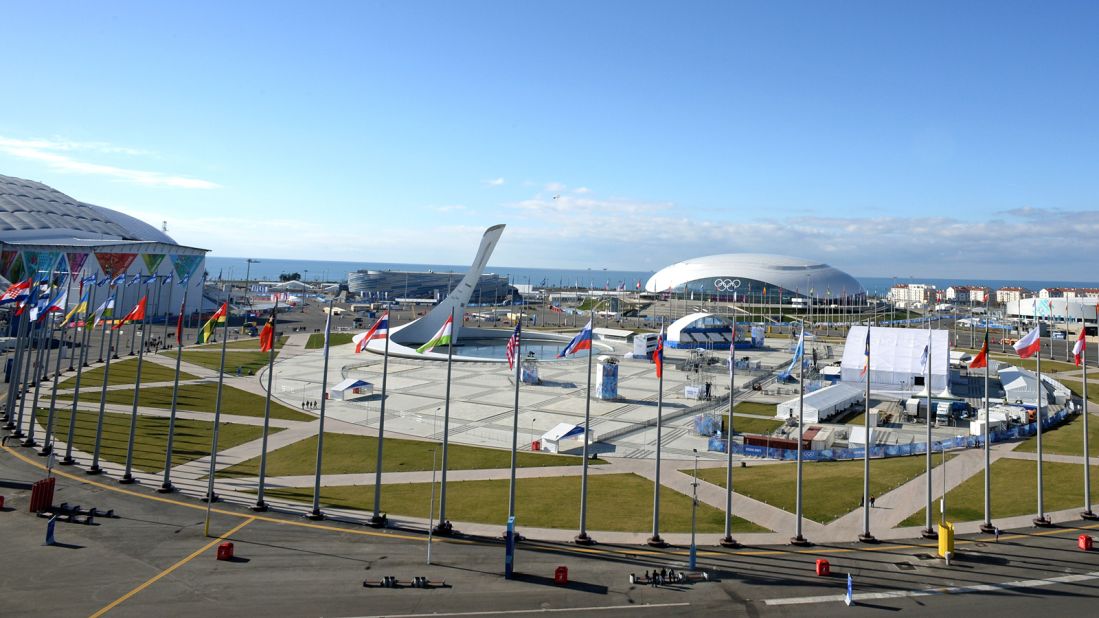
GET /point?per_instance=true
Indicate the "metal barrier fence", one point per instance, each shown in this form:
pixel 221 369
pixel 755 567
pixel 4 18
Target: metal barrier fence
pixel 717 444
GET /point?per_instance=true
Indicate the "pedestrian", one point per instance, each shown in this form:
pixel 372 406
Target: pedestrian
pixel 871 501
pixel 861 500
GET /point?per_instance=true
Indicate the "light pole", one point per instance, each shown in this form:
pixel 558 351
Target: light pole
pixel 431 507
pixel 248 278
pixel 692 561
pixel 532 432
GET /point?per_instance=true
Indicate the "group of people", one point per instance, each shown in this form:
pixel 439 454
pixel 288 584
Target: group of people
pixel 309 405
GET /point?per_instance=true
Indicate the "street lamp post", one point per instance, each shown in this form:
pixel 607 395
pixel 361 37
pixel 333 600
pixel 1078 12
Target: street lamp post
pixel 248 278
pixel 692 561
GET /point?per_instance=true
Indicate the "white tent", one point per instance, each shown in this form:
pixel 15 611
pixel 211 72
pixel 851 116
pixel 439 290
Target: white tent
pixel 694 330
pixel 563 437
pixel 351 387
pixel 822 404
pixel 896 358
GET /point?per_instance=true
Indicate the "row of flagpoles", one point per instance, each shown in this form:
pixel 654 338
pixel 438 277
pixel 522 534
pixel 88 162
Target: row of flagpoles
pixel 37 299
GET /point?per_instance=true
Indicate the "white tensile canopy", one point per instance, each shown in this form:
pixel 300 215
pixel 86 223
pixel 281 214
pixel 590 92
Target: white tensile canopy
pixel 820 405
pixel 896 358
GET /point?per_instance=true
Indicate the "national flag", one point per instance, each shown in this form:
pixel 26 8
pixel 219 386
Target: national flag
pixel 732 350
pixel 327 330
pixel 103 311
pixel 556 309
pixel 80 307
pixel 638 286
pixel 179 320
pixel 441 338
pixel 103 280
pixel 267 335
pixel 207 330
pixel 866 352
pixel 31 301
pixel 380 330
pixel 926 353
pixel 134 278
pixel 150 279
pixel 1030 345
pixel 15 292
pixel 167 279
pixel 512 347
pixel 658 355
pixel 50 306
pixel 1079 348
pixel 121 278
pixel 184 280
pixel 89 280
pixel 582 341
pixel 136 314
pixel 981 360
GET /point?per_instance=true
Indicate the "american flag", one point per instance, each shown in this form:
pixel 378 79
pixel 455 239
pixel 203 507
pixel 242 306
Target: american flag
pixel 512 349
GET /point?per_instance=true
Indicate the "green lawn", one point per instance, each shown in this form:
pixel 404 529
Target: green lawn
pixel 124 371
pixel 349 454
pixel 1014 491
pixel 616 502
pixel 1077 387
pixel 750 424
pixel 1048 366
pixel 192 438
pixel 1065 439
pixel 755 407
pixel 316 340
pixel 251 343
pixel 248 362
pixel 830 489
pixel 199 398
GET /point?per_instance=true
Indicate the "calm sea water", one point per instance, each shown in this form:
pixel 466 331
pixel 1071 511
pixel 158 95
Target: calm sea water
pixel 269 269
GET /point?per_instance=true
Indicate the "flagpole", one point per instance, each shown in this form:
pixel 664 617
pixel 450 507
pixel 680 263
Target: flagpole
pixel 515 415
pixel 315 513
pixel 1087 513
pixel 128 477
pixel 1041 520
pixel 133 331
pixel 929 531
pixel 443 527
pixel 15 387
pixel 166 486
pixel 261 506
pixel 987 526
pixel 41 366
pixel 866 537
pixel 655 539
pixel 28 362
pixel 47 438
pixel 95 469
pixel 582 538
pixel 378 520
pixel 799 358
pixel 728 540
pixel 210 496
pixel 85 335
pixel 102 339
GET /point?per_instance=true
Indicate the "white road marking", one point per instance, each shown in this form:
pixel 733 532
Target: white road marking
pixel 896 594
pixel 533 611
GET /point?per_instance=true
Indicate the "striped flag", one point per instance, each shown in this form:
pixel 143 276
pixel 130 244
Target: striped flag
pixel 207 330
pixel 658 355
pixel 380 330
pixel 981 360
pixel 1078 349
pixel 80 307
pixel 865 354
pixel 582 341
pixel 512 347
pixel 441 338
pixel 104 311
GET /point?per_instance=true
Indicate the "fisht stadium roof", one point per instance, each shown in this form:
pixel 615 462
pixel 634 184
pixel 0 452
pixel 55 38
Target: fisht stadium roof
pixel 790 273
pixel 31 212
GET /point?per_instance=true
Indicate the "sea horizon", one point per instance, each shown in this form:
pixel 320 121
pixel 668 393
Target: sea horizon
pixel 269 269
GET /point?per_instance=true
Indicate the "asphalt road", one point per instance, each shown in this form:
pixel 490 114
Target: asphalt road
pixel 153 559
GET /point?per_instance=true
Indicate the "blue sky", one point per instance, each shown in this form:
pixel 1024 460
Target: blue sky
pixel 937 139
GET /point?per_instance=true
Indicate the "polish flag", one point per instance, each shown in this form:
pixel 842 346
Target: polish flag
pixel 1079 348
pixel 1028 346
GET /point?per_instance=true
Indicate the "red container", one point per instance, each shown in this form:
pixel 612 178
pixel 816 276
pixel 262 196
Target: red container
pixel 225 551
pixel 561 575
pixel 1084 542
pixel 536 445
pixel 42 495
pixel 823 568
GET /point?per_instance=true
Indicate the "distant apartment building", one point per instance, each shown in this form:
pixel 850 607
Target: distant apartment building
pixel 1082 293
pixel 1051 293
pixel 1011 294
pixel 912 293
pixel 980 295
pixel 958 293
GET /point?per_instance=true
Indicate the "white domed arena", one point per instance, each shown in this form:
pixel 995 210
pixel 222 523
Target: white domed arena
pixel 756 277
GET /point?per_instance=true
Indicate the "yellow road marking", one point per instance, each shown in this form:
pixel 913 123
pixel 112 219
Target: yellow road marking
pixel 571 549
pixel 152 580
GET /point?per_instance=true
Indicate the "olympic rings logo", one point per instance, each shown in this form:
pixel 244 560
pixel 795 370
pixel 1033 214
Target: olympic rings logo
pixel 726 285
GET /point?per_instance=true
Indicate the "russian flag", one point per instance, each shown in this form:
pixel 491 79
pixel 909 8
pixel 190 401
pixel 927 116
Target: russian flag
pixel 582 341
pixel 1028 346
pixel 380 330
pixel 658 355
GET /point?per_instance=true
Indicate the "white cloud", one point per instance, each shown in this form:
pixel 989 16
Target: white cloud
pixel 495 182
pixel 554 186
pixel 581 190
pixel 449 208
pixel 50 152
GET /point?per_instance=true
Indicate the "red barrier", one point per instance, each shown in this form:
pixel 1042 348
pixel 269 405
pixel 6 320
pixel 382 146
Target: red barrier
pixel 225 551
pixel 561 575
pixel 823 568
pixel 42 495
pixel 1084 541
